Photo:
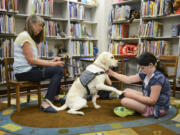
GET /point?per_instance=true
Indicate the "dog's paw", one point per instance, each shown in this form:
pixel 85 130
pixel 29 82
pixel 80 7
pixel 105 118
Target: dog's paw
pixel 97 106
pixel 86 106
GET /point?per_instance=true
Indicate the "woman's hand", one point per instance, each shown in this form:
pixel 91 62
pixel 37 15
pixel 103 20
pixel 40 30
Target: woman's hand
pixel 56 59
pixel 59 63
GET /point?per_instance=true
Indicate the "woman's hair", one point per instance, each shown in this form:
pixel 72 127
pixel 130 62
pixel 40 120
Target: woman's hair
pixel 146 58
pixel 33 19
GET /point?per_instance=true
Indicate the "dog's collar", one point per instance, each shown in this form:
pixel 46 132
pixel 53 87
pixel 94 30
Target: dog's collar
pixel 99 66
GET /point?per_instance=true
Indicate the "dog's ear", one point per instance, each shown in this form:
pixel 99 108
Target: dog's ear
pixel 104 58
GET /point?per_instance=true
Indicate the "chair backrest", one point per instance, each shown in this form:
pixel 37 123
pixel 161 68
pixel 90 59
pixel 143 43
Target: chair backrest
pixel 171 65
pixel 8 62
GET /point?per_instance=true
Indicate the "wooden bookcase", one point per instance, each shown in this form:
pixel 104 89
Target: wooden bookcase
pixel 57 17
pixel 145 29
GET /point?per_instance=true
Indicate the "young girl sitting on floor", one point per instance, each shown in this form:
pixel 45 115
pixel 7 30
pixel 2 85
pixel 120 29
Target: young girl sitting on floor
pixel 154 100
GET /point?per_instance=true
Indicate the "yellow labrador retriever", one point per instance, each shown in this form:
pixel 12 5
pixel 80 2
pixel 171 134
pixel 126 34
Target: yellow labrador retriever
pixel 91 80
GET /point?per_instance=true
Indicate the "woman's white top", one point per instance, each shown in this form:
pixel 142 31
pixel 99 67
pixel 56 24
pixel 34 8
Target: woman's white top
pixel 20 62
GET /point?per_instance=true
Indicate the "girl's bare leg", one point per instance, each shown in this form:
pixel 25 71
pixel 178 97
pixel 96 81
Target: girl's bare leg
pixel 133 104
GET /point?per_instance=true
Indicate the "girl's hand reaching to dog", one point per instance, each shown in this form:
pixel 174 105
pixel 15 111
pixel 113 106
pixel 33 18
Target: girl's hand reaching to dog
pixel 109 72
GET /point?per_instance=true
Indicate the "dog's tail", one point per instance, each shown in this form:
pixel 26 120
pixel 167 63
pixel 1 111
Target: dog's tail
pixel 62 107
pixel 57 108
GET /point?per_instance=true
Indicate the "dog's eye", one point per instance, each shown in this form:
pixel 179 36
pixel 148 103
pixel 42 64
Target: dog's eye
pixel 112 57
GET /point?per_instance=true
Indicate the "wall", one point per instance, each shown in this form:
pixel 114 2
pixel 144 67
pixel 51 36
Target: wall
pixel 102 17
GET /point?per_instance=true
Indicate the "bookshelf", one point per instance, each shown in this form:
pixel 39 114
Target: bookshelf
pixel 83 33
pixel 149 21
pixel 121 30
pixel 58 27
pixel 154 15
pixel 119 39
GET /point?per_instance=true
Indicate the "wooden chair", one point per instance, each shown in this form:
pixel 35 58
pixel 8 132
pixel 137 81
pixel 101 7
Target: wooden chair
pixel 19 85
pixel 119 70
pixel 170 63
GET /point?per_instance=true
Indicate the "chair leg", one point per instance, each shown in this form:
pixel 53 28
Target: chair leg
pixel 18 98
pixel 120 85
pixel 174 87
pixel 39 95
pixel 28 96
pixel 9 97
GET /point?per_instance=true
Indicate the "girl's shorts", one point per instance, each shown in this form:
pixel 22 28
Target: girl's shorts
pixel 149 111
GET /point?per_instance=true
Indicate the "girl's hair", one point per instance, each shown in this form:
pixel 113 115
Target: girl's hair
pixel 33 19
pixel 146 58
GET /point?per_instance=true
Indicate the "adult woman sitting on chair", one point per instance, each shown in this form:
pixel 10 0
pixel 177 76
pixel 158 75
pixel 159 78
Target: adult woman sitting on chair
pixel 28 67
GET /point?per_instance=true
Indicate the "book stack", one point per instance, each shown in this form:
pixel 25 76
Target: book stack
pixel 52 28
pixel 6 48
pixel 43 49
pixel 153 8
pixel 120 31
pixel 175 30
pixel 119 13
pixel 76 11
pixel 42 7
pixel 82 48
pixel 7 24
pixel 158 48
pixel 78 30
pixel 9 5
pixel 151 29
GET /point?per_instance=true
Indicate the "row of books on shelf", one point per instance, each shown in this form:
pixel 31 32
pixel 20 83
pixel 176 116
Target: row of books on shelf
pixel 42 7
pixel 149 8
pixel 120 12
pixel 3 76
pixel 151 29
pixel 90 2
pixel 155 8
pixel 43 49
pixel 158 48
pixel 78 30
pixel 76 11
pixel 9 5
pixel 120 31
pixel 52 28
pixel 6 48
pixel 7 24
pixel 79 66
pixel 79 48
